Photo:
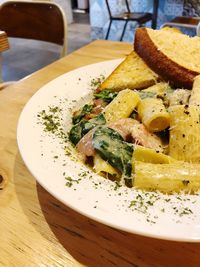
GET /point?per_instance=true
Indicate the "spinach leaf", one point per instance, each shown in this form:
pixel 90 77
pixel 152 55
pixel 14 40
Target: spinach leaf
pixel 106 95
pixel 84 126
pixel 110 146
pixel 80 114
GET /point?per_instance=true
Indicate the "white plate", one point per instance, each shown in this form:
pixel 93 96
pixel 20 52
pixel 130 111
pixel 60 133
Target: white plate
pixel 174 217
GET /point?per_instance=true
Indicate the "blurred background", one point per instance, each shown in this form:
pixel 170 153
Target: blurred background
pixel 88 20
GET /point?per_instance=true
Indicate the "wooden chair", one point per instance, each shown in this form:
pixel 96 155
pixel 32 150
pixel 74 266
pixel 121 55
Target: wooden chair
pixel 184 22
pixel 38 20
pixel 139 17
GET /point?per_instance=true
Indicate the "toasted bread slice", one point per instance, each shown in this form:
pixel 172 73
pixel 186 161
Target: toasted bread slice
pixel 132 73
pixel 172 55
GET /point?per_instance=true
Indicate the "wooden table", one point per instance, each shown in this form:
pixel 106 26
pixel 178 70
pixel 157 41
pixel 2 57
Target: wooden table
pixel 35 228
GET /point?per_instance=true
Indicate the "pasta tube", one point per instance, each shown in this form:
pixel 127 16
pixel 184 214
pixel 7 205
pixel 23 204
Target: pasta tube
pixel 102 167
pixel 149 155
pixel 167 178
pixel 153 114
pixel 158 88
pixel 122 106
pixel 179 97
pixel 184 143
pixel 195 94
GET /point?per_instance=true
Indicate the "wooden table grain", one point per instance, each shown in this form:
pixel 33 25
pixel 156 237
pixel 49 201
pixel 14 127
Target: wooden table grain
pixel 38 230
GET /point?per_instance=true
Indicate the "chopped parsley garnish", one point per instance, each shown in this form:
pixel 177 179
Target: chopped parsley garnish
pixel 51 119
pixel 97 81
pixel 71 181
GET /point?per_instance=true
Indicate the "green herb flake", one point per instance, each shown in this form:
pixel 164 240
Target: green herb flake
pixel 117 185
pixel 95 82
pixel 51 121
pixel 185 211
pixel 70 181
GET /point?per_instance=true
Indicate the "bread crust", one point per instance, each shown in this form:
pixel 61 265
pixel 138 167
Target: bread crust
pixel 166 68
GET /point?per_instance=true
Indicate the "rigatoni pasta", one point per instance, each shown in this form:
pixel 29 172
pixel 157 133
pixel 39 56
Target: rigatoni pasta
pixel 184 141
pixel 167 178
pixel 122 106
pixel 149 155
pixel 179 97
pixel 102 167
pixel 195 93
pixel 158 88
pixel 153 114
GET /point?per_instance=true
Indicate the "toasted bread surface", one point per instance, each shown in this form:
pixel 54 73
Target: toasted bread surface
pixel 173 56
pixel 132 73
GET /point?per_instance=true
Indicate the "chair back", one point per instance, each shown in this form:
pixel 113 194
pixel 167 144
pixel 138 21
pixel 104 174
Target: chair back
pixel 109 9
pixel 38 20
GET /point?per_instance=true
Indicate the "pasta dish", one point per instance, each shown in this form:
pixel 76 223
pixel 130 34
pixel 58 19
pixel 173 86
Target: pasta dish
pixel 144 138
